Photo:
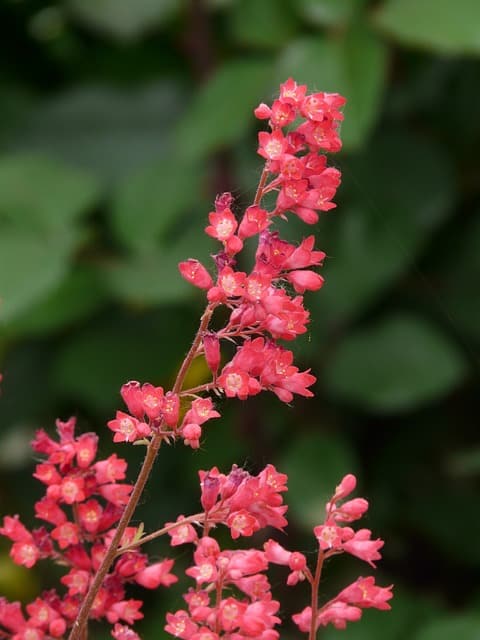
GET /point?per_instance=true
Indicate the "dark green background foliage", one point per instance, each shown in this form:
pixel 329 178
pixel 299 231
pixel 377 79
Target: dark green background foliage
pixel 120 121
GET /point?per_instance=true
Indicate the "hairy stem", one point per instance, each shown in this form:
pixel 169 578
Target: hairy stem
pixel 77 632
pixel 314 604
pixel 261 184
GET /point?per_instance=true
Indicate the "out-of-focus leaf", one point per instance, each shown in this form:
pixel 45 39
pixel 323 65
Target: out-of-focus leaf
pixel 153 277
pixel 31 266
pixel 464 463
pixel 109 131
pixel 328 12
pixel 16 582
pixel 400 363
pixel 458 288
pixel 403 188
pixel 122 19
pixel 223 109
pixel 408 612
pixel 353 64
pixel 315 463
pixel 93 365
pixel 428 517
pixel 460 627
pixel 148 202
pixel 442 25
pixel 26 393
pixel 37 192
pixel 79 295
pixel 268 23
pixel 14 104
pixel 15 447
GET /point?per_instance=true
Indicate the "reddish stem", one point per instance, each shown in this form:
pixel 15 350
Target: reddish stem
pixel 77 632
pixel 314 604
pixel 261 184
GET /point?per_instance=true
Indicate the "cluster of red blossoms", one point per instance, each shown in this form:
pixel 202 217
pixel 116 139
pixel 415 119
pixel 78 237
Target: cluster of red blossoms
pixel 82 504
pixel 86 506
pixel 247 504
pixel 261 301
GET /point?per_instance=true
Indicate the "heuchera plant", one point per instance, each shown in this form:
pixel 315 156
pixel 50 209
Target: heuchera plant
pixel 87 506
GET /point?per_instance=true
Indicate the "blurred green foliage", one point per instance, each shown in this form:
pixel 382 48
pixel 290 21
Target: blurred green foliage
pixel 120 121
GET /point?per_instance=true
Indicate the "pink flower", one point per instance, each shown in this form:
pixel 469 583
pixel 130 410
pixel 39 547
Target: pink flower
pixel 128 610
pixel 180 625
pixel 242 523
pixel 272 145
pixel 195 273
pixel 254 221
pixel 115 493
pixel 110 470
pixel 127 428
pixel 122 632
pixel 305 280
pixel 338 614
pixel 66 534
pixel 152 400
pixel 182 533
pixel 86 449
pixel 361 546
pixel 211 346
pixel 156 574
pixel 25 553
pixel 365 593
pixel 222 225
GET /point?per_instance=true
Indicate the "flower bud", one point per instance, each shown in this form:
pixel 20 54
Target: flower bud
pixel 210 487
pixel 194 272
pixel 211 345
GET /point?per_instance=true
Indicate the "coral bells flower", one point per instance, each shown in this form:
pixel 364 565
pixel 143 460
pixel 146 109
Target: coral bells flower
pixel 83 501
pixel 366 594
pixel 127 428
pixel 193 271
pixel 87 503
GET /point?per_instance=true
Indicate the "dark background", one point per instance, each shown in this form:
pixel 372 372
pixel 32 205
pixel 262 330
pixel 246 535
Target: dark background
pixel 119 122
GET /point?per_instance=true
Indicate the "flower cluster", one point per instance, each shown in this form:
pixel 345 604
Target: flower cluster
pixel 333 539
pixel 248 609
pixel 88 509
pixel 83 502
pixel 262 309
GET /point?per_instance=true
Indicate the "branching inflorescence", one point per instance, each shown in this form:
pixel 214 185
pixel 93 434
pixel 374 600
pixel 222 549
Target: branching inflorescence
pixel 87 507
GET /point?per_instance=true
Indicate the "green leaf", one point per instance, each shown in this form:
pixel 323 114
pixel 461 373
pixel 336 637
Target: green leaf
pixel 389 225
pixel 122 19
pixel 408 612
pixel 39 193
pixel 427 517
pixel 464 463
pixel 31 266
pixel 268 23
pixel 223 110
pixel 153 277
pixel 460 627
pixel 328 12
pixel 441 25
pixel 77 297
pixel 458 280
pixel 315 463
pixel 147 203
pixel 400 363
pixel 109 131
pixel 353 64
